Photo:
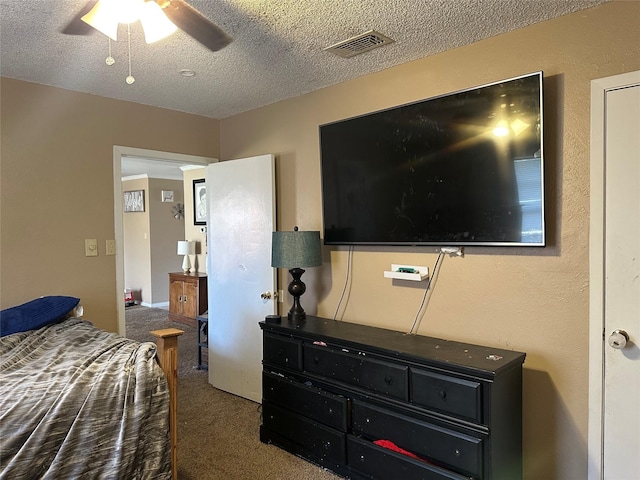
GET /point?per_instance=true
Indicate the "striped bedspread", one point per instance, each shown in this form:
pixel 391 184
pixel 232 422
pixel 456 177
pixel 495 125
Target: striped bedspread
pixel 78 402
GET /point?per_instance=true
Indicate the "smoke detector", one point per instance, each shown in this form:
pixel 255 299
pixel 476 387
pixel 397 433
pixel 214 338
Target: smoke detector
pixel 359 44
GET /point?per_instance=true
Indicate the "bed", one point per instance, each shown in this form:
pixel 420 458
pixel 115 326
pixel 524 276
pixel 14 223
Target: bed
pixel 79 402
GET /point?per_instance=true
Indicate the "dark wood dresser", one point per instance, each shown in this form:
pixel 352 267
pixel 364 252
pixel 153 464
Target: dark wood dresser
pixel 187 296
pixel 370 403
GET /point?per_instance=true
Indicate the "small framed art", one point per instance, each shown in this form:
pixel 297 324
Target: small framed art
pixel 134 201
pixel 199 202
pixel 167 195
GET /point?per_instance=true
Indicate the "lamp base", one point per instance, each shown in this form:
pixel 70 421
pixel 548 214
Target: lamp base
pixel 186 264
pixel 296 289
pixel 297 316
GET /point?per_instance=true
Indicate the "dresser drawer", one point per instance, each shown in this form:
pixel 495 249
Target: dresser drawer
pixel 324 443
pixel 384 464
pixel 358 370
pixel 446 447
pixel 282 351
pixel 309 401
pixel 447 394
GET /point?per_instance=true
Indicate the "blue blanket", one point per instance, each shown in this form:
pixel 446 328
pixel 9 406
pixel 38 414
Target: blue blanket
pixel 36 313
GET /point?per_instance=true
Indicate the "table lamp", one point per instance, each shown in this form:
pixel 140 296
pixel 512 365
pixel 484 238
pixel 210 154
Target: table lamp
pixel 186 248
pixel 294 250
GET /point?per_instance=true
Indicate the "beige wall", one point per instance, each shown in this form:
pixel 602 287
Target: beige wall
pixel 192 232
pixel 137 246
pixel 150 240
pixel 165 233
pixel 56 186
pixel 527 299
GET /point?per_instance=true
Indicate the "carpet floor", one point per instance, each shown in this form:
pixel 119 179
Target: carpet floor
pixel 218 433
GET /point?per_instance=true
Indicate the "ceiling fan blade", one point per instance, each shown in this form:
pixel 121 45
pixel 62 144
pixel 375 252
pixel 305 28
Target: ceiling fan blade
pixel 76 26
pixel 194 24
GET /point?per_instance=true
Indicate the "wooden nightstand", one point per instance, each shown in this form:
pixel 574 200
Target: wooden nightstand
pixel 187 296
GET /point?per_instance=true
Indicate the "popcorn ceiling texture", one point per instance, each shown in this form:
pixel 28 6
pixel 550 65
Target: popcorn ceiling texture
pixel 277 52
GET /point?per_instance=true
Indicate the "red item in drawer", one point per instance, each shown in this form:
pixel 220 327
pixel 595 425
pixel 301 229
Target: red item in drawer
pixel 392 446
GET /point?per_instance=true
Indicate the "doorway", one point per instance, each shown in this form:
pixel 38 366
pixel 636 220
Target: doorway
pixel 120 153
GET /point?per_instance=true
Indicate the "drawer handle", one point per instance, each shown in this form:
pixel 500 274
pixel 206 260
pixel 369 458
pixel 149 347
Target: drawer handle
pixel 443 394
pixel 388 380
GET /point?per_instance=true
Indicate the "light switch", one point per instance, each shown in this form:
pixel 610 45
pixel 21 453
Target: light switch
pixel 91 247
pixel 110 247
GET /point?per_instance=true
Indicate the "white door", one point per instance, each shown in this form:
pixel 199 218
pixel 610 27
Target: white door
pixel 241 219
pixel 618 291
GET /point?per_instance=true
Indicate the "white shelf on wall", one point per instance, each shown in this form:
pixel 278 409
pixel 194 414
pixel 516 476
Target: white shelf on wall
pixel 421 273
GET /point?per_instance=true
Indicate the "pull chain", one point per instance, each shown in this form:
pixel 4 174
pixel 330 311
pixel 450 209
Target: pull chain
pixel 130 78
pixel 109 60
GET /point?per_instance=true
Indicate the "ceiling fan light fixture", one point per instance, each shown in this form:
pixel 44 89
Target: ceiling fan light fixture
pixel 107 14
pixel 159 19
pixel 103 18
pixel 170 15
pixel 155 23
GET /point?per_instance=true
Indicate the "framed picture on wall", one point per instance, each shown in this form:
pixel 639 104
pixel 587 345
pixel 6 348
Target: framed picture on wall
pixel 199 202
pixel 134 201
pixel 167 195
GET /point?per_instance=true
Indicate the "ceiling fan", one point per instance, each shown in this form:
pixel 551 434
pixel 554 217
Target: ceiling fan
pixel 178 12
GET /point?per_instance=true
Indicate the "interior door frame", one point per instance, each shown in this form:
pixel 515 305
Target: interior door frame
pixel 119 152
pixel 599 89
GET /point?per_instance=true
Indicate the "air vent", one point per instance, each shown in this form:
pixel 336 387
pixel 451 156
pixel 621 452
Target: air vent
pixel 359 44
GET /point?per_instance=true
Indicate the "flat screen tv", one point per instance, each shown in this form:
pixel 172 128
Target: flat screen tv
pixel 464 168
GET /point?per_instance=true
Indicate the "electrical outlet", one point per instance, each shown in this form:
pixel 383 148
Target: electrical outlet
pixel 281 296
pixel 453 251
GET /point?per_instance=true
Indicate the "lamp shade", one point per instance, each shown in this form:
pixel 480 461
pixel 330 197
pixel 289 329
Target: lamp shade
pixel 295 249
pixel 103 17
pixel 186 248
pixel 106 15
pixel 155 23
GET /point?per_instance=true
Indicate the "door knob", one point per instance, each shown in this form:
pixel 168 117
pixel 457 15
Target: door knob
pixel 268 295
pixel 618 339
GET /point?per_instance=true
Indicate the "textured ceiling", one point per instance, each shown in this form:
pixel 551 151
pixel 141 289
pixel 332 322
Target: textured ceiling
pixel 277 52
